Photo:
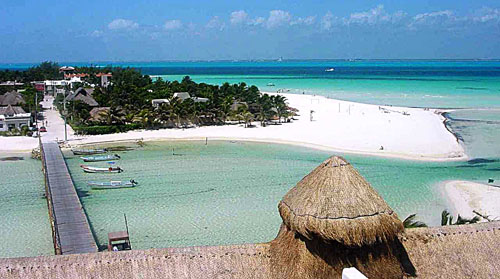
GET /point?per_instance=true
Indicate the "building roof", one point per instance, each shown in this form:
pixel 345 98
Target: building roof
pixel 11 111
pixel 11 83
pixel 104 75
pixel 11 98
pixel 99 114
pixel 68 76
pixel 335 202
pixel 465 251
pixel 84 95
pixel 239 261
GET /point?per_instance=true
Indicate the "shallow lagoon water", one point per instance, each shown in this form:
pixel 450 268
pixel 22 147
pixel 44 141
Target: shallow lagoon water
pixel 25 227
pixel 227 192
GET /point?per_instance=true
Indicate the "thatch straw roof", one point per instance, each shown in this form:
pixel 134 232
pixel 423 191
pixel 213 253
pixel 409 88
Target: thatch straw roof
pixel 466 251
pixel 336 203
pixel 11 98
pixel 238 261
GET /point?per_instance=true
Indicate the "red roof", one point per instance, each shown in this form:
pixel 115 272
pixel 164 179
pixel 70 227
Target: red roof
pixel 75 75
pixel 104 74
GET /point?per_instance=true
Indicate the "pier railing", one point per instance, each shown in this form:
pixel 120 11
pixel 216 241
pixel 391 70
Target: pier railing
pixel 53 219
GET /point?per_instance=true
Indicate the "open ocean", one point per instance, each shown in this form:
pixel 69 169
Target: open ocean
pixel 227 193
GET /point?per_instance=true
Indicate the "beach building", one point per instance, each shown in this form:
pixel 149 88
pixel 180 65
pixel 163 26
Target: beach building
pixel 12 98
pixel 7 85
pixel 99 114
pixel 182 97
pixel 333 220
pixel 84 95
pixel 105 82
pixel 13 117
pixel 55 87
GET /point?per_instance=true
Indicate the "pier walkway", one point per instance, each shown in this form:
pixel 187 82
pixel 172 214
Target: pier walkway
pixel 71 229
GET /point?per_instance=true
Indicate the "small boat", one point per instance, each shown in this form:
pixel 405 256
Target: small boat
pixel 88 151
pixel 271 84
pixel 110 169
pixel 330 70
pixel 101 158
pixel 112 184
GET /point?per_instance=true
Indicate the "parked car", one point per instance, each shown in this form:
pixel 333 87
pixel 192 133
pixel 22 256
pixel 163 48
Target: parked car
pixel 43 129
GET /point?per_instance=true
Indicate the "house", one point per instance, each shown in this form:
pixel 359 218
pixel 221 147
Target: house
pixel 12 98
pixel 84 95
pixel 104 79
pixel 13 117
pixel 182 97
pixel 185 95
pixel 99 114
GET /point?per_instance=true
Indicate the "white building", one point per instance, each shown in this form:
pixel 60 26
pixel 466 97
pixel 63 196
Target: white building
pixel 13 118
pixel 182 97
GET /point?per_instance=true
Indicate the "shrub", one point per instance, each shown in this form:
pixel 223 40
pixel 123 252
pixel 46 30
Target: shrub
pixel 101 130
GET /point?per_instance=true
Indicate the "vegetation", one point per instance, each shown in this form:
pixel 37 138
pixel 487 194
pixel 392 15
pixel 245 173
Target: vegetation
pixel 446 220
pixel 129 97
pixel 411 222
pixel 129 101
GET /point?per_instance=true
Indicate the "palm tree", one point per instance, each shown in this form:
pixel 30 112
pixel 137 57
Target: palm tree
pixel 410 222
pixel 279 104
pixel 447 219
pixel 247 117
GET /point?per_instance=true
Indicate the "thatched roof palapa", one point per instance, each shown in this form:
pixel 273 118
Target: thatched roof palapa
pixel 336 203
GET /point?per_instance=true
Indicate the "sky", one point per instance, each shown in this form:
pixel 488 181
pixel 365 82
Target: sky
pixel 154 30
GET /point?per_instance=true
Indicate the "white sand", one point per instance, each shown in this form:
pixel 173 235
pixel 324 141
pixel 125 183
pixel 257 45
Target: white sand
pixel 337 126
pixel 465 196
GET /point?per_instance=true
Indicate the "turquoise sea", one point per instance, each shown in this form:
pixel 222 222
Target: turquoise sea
pixel 25 227
pixel 227 193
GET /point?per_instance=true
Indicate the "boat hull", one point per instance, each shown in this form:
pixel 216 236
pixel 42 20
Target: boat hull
pixel 111 185
pixel 100 158
pixel 89 169
pixel 88 151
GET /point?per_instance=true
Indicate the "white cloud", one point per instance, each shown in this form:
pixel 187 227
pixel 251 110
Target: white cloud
pixel 238 17
pixel 215 23
pixel 277 18
pixel 374 16
pixel 303 20
pixel 327 21
pixel 96 33
pixel 487 14
pixel 121 23
pixel 433 17
pixel 257 21
pixel 172 24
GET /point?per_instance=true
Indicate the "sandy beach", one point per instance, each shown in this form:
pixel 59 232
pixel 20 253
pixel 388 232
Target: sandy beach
pixel 465 196
pixel 337 126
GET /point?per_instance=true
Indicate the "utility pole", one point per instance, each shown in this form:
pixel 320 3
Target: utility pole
pixel 64 114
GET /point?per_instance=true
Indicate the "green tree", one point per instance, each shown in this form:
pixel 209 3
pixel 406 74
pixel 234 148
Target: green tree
pixel 411 222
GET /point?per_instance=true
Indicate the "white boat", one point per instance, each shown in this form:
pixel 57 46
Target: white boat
pixel 112 184
pixel 270 84
pixel 88 151
pixel 110 169
pixel 101 158
pixel 330 70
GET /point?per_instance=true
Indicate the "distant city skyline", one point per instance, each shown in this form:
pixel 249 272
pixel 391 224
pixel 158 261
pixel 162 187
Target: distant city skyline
pixel 34 31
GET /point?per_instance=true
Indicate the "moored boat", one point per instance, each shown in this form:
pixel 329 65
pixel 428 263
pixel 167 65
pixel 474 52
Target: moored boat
pixel 112 184
pixel 101 158
pixel 88 151
pixel 110 169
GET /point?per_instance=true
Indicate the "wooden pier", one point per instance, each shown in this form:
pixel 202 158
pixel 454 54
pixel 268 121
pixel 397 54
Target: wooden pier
pixel 70 227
